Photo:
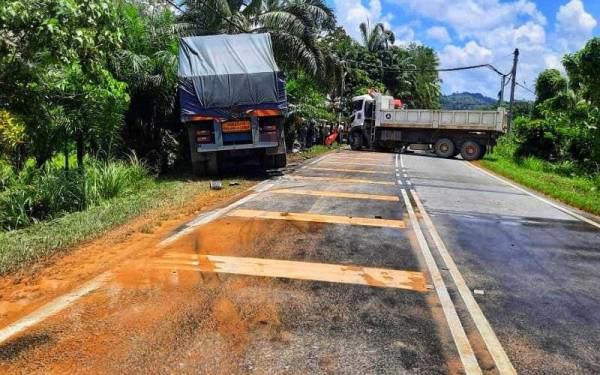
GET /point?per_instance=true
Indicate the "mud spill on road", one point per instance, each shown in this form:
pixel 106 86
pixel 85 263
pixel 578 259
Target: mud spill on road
pixel 28 289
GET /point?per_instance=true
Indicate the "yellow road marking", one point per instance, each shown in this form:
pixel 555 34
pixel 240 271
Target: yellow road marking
pixel 347 170
pixel 334 273
pixel 341 180
pixel 317 218
pixel 358 159
pixel 337 194
pixel 344 162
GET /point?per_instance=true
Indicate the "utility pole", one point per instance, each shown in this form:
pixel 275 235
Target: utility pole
pixel 501 94
pixel 512 88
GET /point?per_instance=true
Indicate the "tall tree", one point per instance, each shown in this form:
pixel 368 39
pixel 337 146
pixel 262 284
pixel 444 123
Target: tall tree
pixel 377 38
pixel 294 25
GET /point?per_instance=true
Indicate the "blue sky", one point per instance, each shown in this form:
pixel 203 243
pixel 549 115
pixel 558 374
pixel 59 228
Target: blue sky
pixel 467 32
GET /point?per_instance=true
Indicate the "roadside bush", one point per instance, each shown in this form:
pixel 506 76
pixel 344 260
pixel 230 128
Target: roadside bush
pixel 34 194
pixel 536 138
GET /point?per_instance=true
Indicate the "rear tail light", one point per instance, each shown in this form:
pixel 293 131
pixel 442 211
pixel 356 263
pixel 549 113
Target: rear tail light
pixel 269 128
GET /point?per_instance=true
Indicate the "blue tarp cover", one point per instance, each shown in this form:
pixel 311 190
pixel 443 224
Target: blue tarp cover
pixel 224 75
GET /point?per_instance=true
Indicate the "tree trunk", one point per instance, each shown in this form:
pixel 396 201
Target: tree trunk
pixel 66 151
pixel 80 149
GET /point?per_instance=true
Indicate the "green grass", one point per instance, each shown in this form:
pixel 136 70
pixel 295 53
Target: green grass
pixel 317 150
pixel 555 180
pixel 23 246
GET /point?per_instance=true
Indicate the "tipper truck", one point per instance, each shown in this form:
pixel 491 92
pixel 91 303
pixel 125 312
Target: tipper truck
pixel 381 122
pixel 233 100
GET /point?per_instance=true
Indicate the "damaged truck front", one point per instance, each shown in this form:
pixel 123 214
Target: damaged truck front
pixel 233 100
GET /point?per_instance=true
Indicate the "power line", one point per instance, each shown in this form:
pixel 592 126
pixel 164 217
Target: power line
pixel 525 87
pixel 489 66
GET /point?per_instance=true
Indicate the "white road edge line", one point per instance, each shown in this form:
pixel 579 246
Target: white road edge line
pixel 503 363
pixel 563 209
pixel 51 308
pixel 463 346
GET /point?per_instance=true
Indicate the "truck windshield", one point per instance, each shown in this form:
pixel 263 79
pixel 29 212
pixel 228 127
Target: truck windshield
pixel 357 105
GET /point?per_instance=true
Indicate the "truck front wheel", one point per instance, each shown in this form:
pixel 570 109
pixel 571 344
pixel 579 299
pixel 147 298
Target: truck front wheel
pixel 356 141
pixel 444 148
pixel 471 150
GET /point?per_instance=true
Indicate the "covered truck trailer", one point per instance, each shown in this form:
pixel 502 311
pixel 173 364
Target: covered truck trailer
pixel 381 122
pixel 233 100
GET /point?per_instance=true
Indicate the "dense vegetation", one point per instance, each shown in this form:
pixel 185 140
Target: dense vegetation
pixel 557 147
pixel 84 85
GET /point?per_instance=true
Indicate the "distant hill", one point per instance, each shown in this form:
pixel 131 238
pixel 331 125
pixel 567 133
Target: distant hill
pixel 466 100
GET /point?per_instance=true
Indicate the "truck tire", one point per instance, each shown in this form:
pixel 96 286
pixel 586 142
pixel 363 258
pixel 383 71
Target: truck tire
pixel 273 161
pixel 280 160
pixel 356 141
pixel 207 167
pixel 444 148
pixel 484 150
pixel 470 150
pixel 212 164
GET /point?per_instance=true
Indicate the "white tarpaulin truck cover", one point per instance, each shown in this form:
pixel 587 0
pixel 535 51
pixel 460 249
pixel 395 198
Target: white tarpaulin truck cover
pixel 223 71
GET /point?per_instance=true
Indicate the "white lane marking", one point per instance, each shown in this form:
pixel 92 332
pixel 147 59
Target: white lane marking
pixel 213 215
pixel 563 209
pixel 51 308
pixel 396 161
pixel 315 161
pixel 463 346
pixel 503 363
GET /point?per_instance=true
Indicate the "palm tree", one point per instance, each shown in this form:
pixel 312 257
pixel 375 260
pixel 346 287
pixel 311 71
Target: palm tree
pixel 294 25
pixel 377 38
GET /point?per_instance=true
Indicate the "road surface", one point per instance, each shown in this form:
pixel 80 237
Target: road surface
pixel 355 263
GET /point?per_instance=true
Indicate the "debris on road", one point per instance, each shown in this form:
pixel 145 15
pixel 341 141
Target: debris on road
pixel 234 183
pixel 478 291
pixel 216 185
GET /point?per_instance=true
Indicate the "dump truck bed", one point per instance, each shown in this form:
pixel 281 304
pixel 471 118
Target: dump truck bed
pixel 442 119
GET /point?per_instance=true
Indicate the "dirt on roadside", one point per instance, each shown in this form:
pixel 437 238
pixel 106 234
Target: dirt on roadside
pixel 29 288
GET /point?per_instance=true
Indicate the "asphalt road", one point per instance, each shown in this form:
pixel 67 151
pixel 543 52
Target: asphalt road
pixel 356 263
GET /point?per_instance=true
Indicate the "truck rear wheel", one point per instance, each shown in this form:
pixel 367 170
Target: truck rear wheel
pixel 444 148
pixel 273 161
pixel 471 150
pixel 209 166
pixel 356 141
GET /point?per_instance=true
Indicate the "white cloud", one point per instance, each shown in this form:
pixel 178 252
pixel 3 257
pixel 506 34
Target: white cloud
pixel 351 13
pixel 474 17
pixel 404 35
pixel 573 25
pixel 439 33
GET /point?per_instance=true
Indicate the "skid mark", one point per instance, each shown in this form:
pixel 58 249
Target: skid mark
pixel 340 180
pixel 317 218
pixel 337 194
pixel 334 273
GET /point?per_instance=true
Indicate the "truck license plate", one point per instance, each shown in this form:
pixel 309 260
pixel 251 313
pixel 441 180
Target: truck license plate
pixel 237 126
